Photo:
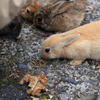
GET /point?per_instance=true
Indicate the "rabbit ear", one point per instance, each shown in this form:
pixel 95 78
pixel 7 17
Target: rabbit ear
pixel 68 39
pixel 60 7
pixel 69 32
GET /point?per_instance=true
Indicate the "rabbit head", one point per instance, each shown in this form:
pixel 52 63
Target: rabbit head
pixel 52 47
pixel 44 15
pixel 27 11
pixel 13 28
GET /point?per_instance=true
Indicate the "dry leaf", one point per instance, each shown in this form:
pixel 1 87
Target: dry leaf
pixel 42 78
pixel 33 81
pixel 36 83
pixel 37 89
pixel 25 79
pixel 97 67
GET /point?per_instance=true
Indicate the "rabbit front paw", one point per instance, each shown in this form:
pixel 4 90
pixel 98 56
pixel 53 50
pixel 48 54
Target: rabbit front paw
pixel 76 62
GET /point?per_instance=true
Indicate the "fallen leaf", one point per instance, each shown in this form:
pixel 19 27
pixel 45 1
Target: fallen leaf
pixel 33 81
pixel 25 79
pixel 42 78
pixel 36 83
pixel 97 67
pixel 37 89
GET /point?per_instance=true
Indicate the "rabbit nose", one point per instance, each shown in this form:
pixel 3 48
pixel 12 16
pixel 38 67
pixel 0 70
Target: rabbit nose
pixel 39 19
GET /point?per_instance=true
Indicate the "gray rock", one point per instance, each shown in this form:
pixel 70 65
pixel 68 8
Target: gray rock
pixel 35 51
pixel 70 80
pixel 20 50
pixel 5 63
pixel 2 69
pixel 1 62
pixel 62 89
pixel 98 78
pixel 22 66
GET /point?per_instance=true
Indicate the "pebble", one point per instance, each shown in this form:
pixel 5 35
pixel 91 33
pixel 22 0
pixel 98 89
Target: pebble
pixel 4 63
pixel 87 18
pixel 93 66
pixel 20 50
pixel 86 72
pixel 62 89
pixel 2 69
pixel 35 51
pixel 98 78
pixel 22 66
pixel 40 37
pixel 1 62
pixel 89 81
pixel 3 53
pixel 70 80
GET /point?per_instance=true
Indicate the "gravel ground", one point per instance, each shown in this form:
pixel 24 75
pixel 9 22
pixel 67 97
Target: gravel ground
pixel 65 82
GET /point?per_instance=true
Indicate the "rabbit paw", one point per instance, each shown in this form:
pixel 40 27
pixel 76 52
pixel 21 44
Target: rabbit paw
pixel 76 62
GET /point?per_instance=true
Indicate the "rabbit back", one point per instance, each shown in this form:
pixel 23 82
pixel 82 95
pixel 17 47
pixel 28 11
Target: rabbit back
pixel 88 44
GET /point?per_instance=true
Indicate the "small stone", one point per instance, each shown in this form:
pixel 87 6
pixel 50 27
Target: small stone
pixel 2 69
pixel 20 50
pixel 70 80
pixel 2 53
pixel 1 62
pixel 22 66
pixel 86 71
pixel 93 66
pixel 87 18
pixel 5 63
pixel 62 89
pixel 33 39
pixel 40 37
pixel 35 51
pixel 98 78
pixel 89 81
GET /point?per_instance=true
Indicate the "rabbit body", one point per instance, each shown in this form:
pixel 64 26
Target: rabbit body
pixel 61 16
pixel 78 44
pixel 27 11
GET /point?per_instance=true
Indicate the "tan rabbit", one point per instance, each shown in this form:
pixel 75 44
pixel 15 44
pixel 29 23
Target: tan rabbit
pixel 78 44
pixel 27 11
pixel 61 16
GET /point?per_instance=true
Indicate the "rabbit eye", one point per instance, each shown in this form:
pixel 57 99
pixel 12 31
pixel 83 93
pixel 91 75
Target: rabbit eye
pixel 39 19
pixel 47 50
pixel 28 11
pixel 12 25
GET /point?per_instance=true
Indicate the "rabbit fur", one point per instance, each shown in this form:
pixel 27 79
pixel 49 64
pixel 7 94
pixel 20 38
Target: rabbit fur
pixel 61 16
pixel 77 44
pixel 45 2
pixel 27 11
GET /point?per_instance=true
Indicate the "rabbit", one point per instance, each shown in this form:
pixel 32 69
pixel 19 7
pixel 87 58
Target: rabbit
pixel 13 28
pixel 61 16
pixel 27 11
pixel 77 44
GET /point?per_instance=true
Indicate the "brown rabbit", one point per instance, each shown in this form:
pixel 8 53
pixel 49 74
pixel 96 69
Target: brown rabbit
pixel 27 11
pixel 13 28
pixel 61 16
pixel 78 44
